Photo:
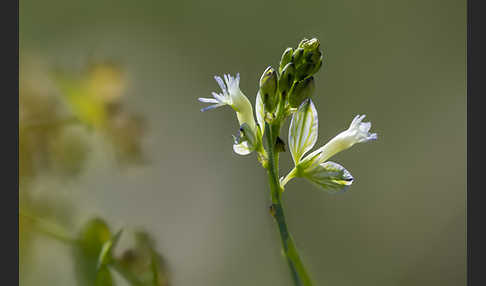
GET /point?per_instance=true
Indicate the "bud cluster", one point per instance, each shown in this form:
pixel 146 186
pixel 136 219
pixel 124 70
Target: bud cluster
pixel 294 81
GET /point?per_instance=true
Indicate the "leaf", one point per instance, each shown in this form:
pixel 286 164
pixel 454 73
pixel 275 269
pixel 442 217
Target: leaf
pixel 329 176
pixel 260 112
pixel 105 256
pixel 303 130
pixel 144 262
pixel 103 277
pixel 90 241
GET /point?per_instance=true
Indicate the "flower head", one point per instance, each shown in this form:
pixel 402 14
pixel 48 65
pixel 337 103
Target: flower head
pixel 358 132
pixel 231 95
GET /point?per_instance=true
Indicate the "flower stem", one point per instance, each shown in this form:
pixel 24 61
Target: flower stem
pixel 297 269
pixel 49 228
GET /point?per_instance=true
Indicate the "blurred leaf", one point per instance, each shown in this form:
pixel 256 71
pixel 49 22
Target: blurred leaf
pixel 144 262
pixel 103 277
pixel 107 249
pixel 93 235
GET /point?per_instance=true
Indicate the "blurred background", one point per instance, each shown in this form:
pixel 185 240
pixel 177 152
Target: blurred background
pixel 111 137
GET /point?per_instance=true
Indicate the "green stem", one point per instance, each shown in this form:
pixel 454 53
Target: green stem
pixel 48 228
pixel 297 269
pixel 292 174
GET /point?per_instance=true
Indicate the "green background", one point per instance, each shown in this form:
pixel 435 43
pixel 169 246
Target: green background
pixel 403 63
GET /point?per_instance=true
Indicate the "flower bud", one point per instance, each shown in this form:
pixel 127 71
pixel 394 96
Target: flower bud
pixel 309 58
pixel 302 89
pixel 286 80
pixel 304 70
pixel 298 56
pixel 302 43
pixel 312 44
pixel 268 89
pixel 286 58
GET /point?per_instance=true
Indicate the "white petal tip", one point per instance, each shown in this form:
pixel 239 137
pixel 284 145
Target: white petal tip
pixel 210 107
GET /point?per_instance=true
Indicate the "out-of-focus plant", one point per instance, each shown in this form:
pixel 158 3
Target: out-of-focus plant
pixel 94 98
pixel 286 92
pixel 94 247
pixel 59 113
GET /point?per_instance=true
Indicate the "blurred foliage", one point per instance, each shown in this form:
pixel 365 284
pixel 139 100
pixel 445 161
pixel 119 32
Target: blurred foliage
pixel 89 244
pixel 57 119
pixel 144 262
pixel 94 252
pixel 58 116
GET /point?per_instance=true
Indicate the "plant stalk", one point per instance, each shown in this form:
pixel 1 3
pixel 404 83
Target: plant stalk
pixel 297 269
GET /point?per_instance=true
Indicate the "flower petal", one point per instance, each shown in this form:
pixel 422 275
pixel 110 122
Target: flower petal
pixel 329 176
pixel 221 84
pixel 242 148
pixel 211 107
pixel 207 100
pixel 260 112
pixel 303 130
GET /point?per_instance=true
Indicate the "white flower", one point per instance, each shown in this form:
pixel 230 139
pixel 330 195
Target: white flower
pixel 328 175
pixel 358 132
pixel 233 97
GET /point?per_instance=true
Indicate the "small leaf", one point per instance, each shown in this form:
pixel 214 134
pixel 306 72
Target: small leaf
pixel 106 251
pixel 260 112
pixel 90 241
pixel 103 277
pixel 329 176
pixel 303 130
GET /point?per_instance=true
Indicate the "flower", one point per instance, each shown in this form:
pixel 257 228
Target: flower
pixel 329 176
pixel 358 132
pixel 233 97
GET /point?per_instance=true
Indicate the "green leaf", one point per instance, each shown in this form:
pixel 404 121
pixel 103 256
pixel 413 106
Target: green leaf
pixel 89 244
pixel 329 176
pixel 103 277
pixel 106 254
pixel 303 130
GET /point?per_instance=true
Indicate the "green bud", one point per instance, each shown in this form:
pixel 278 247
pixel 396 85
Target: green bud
pixel 302 90
pixel 268 89
pixel 286 79
pixel 298 56
pixel 317 66
pixel 286 58
pixel 304 70
pixel 302 43
pixel 312 44
pixel 312 56
pixel 310 61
